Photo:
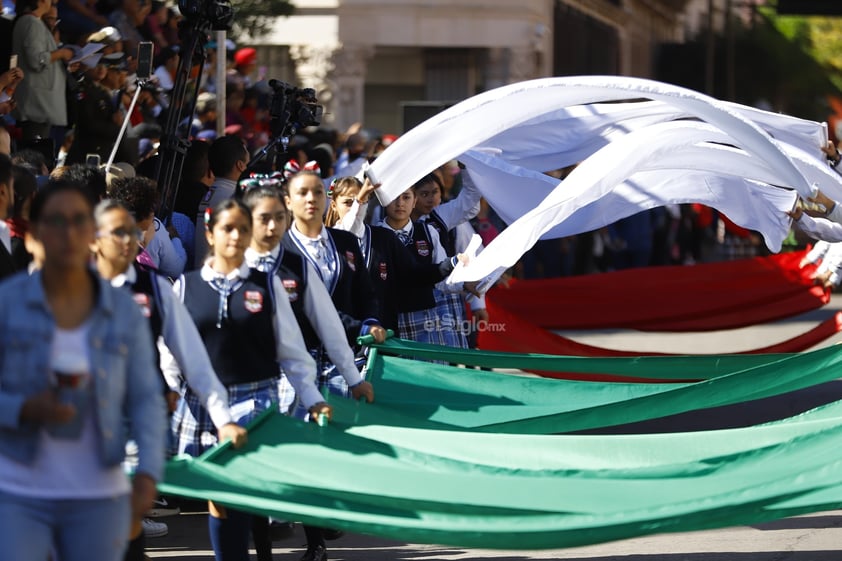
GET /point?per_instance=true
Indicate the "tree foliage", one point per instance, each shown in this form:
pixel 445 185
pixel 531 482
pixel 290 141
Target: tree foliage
pixel 254 17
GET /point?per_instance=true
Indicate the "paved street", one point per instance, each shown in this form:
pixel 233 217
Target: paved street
pixel 816 537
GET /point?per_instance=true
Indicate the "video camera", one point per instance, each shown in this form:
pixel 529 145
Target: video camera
pixel 217 13
pixel 292 108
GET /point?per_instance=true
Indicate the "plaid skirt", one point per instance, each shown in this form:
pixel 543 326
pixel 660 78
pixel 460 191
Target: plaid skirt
pixel 442 325
pixel 194 432
pixel 328 380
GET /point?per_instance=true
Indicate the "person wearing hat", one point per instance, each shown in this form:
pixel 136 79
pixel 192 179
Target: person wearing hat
pixel 245 61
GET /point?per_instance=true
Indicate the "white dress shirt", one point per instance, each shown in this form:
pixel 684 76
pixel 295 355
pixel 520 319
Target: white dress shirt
pixel 183 352
pixel 292 355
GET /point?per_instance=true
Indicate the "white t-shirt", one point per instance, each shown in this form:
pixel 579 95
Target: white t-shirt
pixel 66 468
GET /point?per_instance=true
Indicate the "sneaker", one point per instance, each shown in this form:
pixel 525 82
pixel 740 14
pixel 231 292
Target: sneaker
pixel 161 507
pixel 318 553
pixel 152 529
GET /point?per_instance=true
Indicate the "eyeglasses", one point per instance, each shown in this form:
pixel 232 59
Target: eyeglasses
pixel 124 235
pixel 60 221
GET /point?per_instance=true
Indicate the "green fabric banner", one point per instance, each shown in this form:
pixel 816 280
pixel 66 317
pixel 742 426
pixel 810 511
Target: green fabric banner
pixel 684 368
pixel 411 393
pixel 521 491
pixel 469 458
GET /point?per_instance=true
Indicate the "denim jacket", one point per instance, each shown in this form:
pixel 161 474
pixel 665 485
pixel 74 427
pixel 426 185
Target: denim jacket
pixel 126 384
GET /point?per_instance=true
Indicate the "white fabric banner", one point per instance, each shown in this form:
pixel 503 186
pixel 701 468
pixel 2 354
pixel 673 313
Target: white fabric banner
pixel 619 181
pixel 681 147
pixel 472 122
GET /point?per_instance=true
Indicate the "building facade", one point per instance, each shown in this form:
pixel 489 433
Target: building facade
pixel 390 64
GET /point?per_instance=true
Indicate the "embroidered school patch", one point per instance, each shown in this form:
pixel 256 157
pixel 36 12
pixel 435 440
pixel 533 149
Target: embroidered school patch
pixel 291 286
pixel 383 271
pixel 254 301
pixel 349 257
pixel 142 300
pixel 422 248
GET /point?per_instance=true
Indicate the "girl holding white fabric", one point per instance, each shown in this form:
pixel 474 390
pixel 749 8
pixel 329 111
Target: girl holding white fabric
pixel 393 269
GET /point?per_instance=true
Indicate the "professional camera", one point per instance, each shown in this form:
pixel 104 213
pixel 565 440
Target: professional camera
pixel 218 14
pixel 292 108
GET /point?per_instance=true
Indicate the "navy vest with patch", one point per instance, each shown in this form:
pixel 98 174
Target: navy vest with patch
pixel 242 349
pixel 293 274
pixel 146 295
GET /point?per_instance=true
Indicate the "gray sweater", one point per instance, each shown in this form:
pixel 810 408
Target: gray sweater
pixel 41 94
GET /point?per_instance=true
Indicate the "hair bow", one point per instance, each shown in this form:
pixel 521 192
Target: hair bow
pixel 292 167
pixel 275 179
pixel 332 187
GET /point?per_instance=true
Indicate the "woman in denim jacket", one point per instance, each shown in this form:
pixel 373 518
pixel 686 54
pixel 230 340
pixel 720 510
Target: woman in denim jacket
pixel 76 371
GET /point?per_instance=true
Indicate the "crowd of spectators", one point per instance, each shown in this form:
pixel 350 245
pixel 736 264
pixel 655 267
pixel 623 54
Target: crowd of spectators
pixel 68 96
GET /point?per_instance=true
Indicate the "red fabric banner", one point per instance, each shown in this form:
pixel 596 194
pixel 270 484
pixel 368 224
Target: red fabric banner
pixel 515 335
pixel 704 297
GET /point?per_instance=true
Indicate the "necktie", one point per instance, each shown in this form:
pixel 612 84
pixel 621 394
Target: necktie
pixel 317 249
pixel 224 287
pixel 265 263
pixel 405 237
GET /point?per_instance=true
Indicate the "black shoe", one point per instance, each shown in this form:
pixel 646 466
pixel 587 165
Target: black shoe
pixel 318 553
pixel 330 534
pixel 281 530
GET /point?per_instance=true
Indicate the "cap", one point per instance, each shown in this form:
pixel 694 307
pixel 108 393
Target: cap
pixel 205 102
pixel 118 170
pixel 105 35
pixel 115 60
pixel 246 56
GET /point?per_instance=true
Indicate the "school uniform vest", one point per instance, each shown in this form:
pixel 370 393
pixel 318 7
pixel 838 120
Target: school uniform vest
pixel 242 346
pixel 446 237
pixel 146 294
pixel 416 297
pixel 351 293
pixel 292 270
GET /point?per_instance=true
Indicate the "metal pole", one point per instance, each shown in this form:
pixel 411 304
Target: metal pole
pixel 710 59
pixel 730 55
pixel 221 69
pixel 126 120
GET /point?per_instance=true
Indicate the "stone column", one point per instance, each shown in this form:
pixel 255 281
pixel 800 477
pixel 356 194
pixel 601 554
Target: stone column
pixel 348 81
pixel 524 63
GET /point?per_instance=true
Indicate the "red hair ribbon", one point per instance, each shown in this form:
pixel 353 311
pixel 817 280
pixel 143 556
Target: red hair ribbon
pixel 292 167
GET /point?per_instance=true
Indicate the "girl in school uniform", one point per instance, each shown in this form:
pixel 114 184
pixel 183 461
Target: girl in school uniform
pixel 335 257
pixel 324 334
pixel 439 222
pixel 397 276
pixel 247 332
pixel 426 315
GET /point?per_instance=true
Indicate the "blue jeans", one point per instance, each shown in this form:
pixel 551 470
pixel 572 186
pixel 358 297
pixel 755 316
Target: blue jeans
pixel 75 529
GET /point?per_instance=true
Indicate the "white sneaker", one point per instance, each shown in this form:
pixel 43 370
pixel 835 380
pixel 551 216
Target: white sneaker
pixel 161 507
pixel 152 529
